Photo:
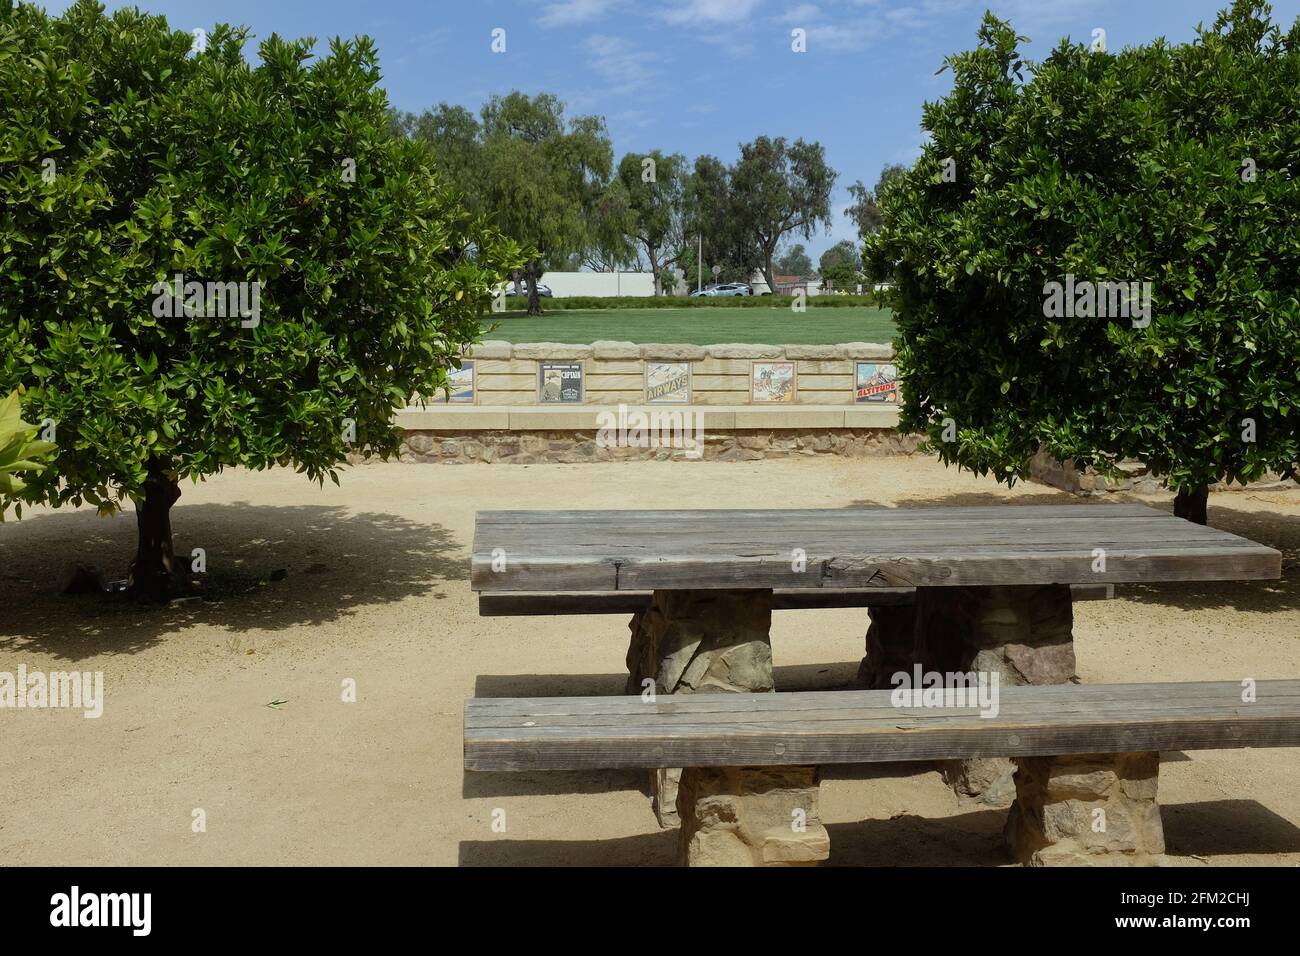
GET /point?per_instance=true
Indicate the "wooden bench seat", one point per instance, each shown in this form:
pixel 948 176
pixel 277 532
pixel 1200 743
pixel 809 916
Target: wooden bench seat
pixel 533 604
pixel 1084 751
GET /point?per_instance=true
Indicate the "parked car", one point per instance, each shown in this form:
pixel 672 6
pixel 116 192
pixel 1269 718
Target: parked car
pixel 725 289
pixel 521 288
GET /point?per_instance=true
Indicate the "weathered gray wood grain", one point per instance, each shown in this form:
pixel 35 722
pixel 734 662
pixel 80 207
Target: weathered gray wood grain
pixel 529 604
pixel 863 726
pixel 852 548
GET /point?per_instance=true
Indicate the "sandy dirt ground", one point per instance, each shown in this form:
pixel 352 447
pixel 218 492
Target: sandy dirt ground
pixel 377 590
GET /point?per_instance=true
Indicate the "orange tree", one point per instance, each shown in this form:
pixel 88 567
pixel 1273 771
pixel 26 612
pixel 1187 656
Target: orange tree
pixel 1088 175
pixel 206 263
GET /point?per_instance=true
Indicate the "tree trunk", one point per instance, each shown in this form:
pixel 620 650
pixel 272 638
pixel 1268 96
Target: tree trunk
pixel 1190 503
pixel 767 271
pixel 534 300
pixel 151 575
pixel 654 271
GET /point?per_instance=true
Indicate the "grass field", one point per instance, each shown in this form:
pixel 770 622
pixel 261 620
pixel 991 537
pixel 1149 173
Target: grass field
pixel 816 326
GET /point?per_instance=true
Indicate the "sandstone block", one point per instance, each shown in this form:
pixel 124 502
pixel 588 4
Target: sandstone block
pixel 1087 809
pixel 668 351
pixel 605 349
pixel 551 350
pixel 492 349
pixel 751 816
pixel 743 350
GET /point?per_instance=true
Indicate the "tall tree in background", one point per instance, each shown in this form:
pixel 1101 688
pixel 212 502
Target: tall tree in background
pixel 778 188
pixel 608 247
pixel 841 265
pixel 542 179
pixel 452 134
pixel 712 220
pixel 865 211
pixel 654 187
pixel 795 262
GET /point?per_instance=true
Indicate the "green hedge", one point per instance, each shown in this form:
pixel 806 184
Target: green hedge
pixel 703 302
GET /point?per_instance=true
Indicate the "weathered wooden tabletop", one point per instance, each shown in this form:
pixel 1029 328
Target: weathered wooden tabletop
pixel 854 548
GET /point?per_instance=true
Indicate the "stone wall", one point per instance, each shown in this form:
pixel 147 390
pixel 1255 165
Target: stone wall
pixel 614 372
pixel 576 446
pixel 507 422
pixel 1135 478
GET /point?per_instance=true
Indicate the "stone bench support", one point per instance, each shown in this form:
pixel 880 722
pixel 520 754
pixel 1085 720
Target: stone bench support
pixel 695 642
pixel 1024 634
pixel 1086 810
pixel 751 816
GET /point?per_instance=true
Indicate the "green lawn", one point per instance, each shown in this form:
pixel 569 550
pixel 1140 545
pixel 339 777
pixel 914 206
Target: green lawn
pixel 701 326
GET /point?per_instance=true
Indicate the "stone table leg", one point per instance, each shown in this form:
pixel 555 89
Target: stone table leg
pixel 1024 634
pixel 693 642
pixel 891 645
pixel 751 816
pixel 1087 810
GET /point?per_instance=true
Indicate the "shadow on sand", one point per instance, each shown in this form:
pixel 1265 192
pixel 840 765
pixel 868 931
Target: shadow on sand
pixel 1194 832
pixel 333 561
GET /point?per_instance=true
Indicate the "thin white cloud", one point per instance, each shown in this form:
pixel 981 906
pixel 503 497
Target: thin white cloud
pixel 623 67
pixel 839 26
pixel 709 12
pixel 570 12
pixel 839 39
pixel 803 13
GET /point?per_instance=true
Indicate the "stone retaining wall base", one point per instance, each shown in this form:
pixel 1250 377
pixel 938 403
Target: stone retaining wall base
pixel 1087 810
pixel 751 816
pixel 578 446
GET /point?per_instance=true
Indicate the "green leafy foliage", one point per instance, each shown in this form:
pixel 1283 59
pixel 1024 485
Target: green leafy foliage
pixel 654 189
pixel 841 265
pixel 538 175
pixel 1128 166
pixel 865 210
pixel 794 262
pixel 167 160
pixel 779 188
pixel 20 452
pixel 714 220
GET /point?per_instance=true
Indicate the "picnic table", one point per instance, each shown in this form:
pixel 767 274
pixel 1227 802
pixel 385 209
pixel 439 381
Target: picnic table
pixel 992 588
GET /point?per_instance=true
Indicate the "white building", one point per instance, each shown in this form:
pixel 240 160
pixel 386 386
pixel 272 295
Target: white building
pixel 601 284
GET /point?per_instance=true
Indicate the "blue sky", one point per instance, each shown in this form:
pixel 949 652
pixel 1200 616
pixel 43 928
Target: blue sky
pixel 701 76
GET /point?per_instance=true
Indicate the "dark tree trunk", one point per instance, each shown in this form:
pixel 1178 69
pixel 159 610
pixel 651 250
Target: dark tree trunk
pixel 152 575
pixel 534 300
pixel 654 270
pixel 1190 503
